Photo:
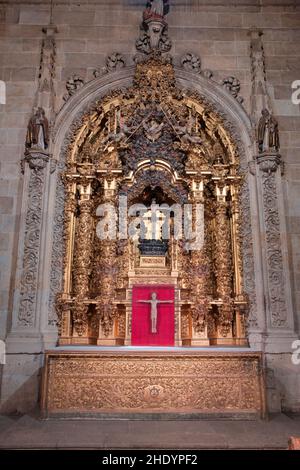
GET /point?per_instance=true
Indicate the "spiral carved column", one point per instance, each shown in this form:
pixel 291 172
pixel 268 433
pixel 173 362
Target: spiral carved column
pixel 199 264
pixel 224 270
pixel 70 209
pixel 82 264
pixel 63 300
pixel 240 299
pixel 106 308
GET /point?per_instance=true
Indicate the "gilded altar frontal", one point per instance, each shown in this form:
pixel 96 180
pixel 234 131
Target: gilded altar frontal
pixel 149 209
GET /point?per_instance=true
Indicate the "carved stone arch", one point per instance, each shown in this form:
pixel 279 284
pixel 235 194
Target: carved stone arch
pixel 162 179
pixel 237 121
pixel 217 99
pixel 215 96
pixel 160 164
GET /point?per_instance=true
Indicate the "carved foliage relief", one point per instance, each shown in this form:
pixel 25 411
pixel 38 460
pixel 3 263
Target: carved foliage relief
pixel 29 278
pixel 274 253
pixel 57 247
pixel 165 383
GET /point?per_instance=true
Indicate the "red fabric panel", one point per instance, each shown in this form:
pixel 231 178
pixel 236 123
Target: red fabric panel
pixel 141 317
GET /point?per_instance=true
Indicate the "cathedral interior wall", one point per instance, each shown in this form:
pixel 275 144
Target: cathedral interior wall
pixel 87 34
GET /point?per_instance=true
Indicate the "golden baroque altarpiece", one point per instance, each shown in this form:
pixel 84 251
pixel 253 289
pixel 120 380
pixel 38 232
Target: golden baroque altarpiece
pixel 152 141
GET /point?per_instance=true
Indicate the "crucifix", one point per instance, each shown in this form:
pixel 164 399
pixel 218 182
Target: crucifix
pixel 153 220
pixel 154 302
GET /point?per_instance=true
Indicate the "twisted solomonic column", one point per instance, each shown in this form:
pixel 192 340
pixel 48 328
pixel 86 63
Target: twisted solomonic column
pixel 199 276
pixel 84 234
pixel 106 308
pixel 224 269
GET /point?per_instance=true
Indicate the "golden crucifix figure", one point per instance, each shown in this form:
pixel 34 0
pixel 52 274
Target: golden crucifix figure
pixel 154 302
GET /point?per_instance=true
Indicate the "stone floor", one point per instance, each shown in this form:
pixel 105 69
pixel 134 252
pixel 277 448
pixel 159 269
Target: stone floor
pixel 30 432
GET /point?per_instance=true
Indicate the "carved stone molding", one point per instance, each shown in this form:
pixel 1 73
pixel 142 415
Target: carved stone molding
pixel 248 255
pixel 73 84
pixel 57 246
pixel 268 163
pixel 267 174
pixel 192 63
pixel 276 305
pixel 36 161
pixel 233 85
pixel 114 62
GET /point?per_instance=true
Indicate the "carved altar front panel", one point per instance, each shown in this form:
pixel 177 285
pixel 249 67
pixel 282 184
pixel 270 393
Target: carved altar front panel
pixel 229 383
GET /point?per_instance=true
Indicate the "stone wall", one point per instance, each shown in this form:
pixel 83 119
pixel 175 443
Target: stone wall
pixel 88 31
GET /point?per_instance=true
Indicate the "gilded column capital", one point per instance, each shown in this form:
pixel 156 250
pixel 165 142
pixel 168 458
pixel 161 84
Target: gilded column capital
pixel 197 189
pixel 221 187
pixel 85 206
